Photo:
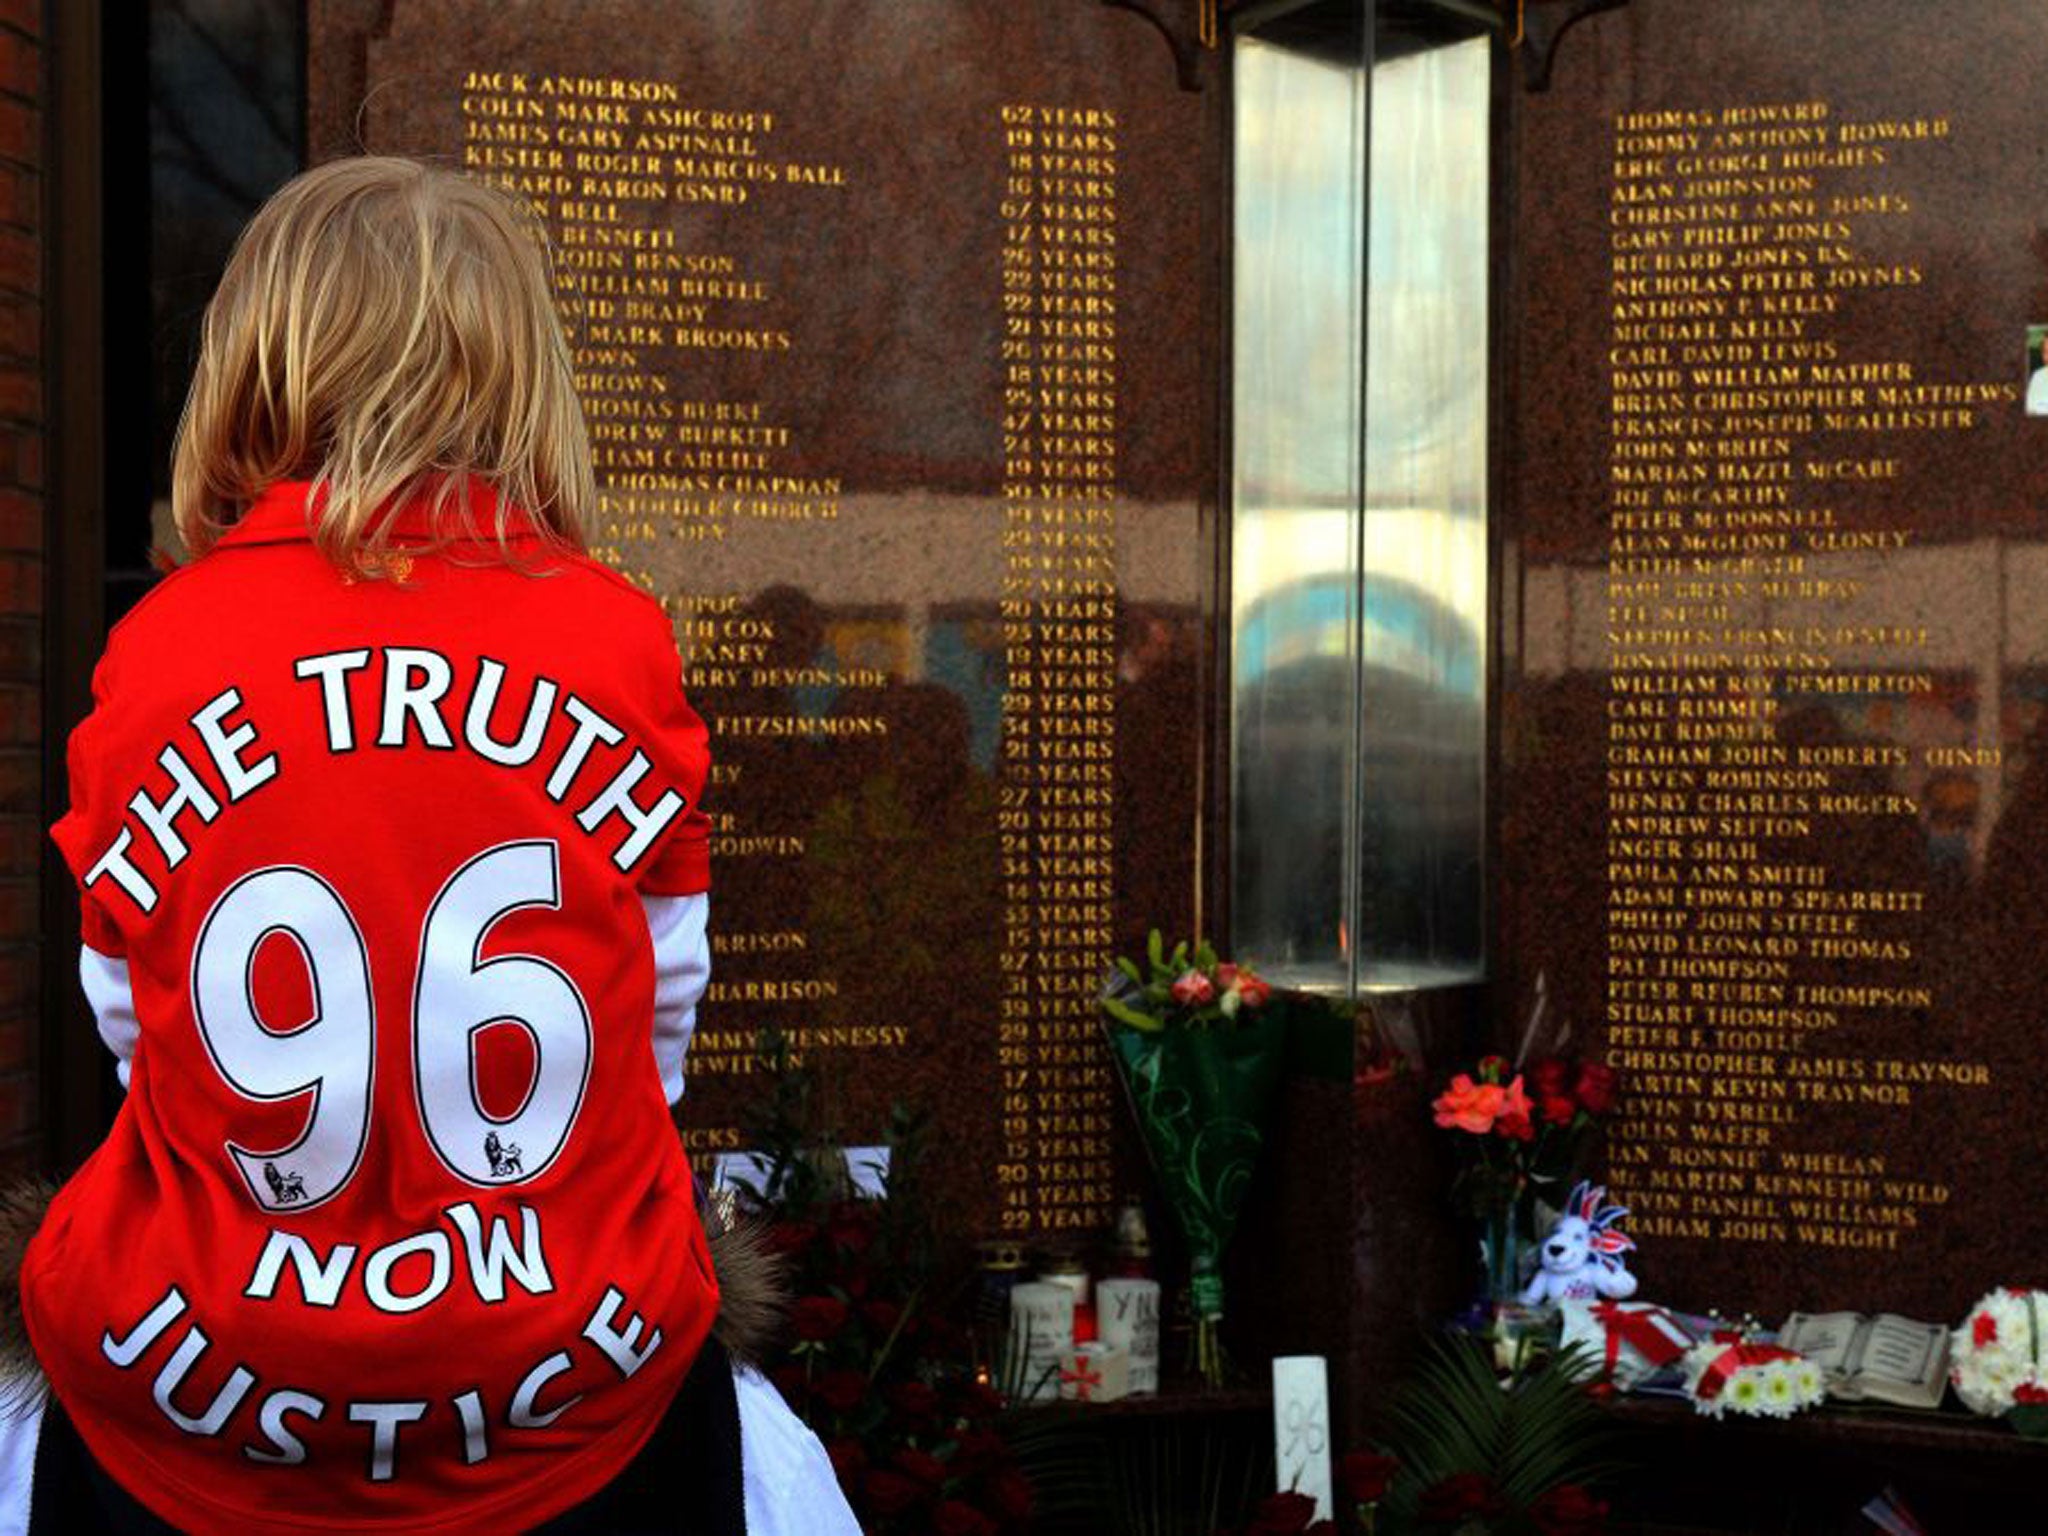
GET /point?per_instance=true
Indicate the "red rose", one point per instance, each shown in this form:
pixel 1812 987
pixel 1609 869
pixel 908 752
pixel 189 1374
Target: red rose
pixel 1461 1496
pixel 914 1400
pixel 980 1450
pixel 847 1459
pixel 1568 1510
pixel 978 1400
pixel 1516 1127
pixel 1282 1514
pixel 853 1226
pixel 1560 1108
pixel 1365 1476
pixel 891 1493
pixel 954 1518
pixel 817 1317
pixel 1550 1077
pixel 1595 1088
pixel 791 1236
pixel 922 1465
pixel 1013 1495
pixel 2030 1392
pixel 790 1382
pixel 882 1316
pixel 1193 989
pixel 1983 1329
pixel 841 1391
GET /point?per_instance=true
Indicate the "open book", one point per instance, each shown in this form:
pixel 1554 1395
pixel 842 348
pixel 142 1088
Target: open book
pixel 1886 1358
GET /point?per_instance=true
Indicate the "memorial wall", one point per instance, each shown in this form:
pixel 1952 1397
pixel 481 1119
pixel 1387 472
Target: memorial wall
pixel 1775 632
pixel 892 320
pixel 898 326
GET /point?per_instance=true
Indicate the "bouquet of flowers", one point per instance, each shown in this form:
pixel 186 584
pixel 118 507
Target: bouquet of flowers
pixel 1995 1359
pixel 1724 1373
pixel 1520 1138
pixel 884 1375
pixel 1200 1054
pixel 884 1381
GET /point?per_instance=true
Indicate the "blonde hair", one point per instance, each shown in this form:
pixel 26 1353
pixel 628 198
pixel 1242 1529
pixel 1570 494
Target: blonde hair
pixel 386 329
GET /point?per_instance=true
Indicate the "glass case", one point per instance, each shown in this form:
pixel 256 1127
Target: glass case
pixel 1358 491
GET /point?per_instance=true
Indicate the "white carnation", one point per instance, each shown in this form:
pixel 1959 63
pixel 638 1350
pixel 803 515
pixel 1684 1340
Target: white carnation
pixel 1998 1348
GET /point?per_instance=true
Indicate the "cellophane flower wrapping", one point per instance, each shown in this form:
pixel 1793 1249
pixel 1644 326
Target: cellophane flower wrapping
pixel 1202 1099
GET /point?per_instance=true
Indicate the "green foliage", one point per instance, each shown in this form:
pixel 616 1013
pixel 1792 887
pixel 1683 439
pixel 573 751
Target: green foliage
pixel 1527 1435
pixel 1187 1479
pixel 782 1126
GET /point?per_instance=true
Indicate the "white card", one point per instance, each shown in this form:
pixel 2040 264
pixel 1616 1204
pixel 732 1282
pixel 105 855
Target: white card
pixel 867 1168
pixel 1301 1428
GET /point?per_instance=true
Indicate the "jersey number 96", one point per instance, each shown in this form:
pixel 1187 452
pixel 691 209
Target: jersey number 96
pixel 457 994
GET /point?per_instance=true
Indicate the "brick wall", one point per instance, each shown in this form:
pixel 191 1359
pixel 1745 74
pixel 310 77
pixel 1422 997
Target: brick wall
pixel 22 429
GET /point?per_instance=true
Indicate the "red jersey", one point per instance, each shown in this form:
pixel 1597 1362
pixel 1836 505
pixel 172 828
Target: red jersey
pixel 393 1231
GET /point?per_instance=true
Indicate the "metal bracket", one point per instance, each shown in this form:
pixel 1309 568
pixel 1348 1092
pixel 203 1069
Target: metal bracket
pixel 1186 55
pixel 1542 29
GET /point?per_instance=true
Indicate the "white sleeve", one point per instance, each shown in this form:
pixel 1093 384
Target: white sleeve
pixel 682 970
pixel 19 1432
pixel 113 1004
pixel 791 1489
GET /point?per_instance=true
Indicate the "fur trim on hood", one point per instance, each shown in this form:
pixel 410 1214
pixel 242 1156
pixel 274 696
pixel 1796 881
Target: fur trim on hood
pixel 753 1287
pixel 22 1204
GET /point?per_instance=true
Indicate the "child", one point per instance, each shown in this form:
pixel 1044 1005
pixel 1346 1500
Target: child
pixel 393 873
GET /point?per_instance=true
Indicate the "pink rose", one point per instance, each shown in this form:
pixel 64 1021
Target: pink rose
pixel 1193 989
pixel 1252 990
pixel 1514 1103
pixel 1468 1106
